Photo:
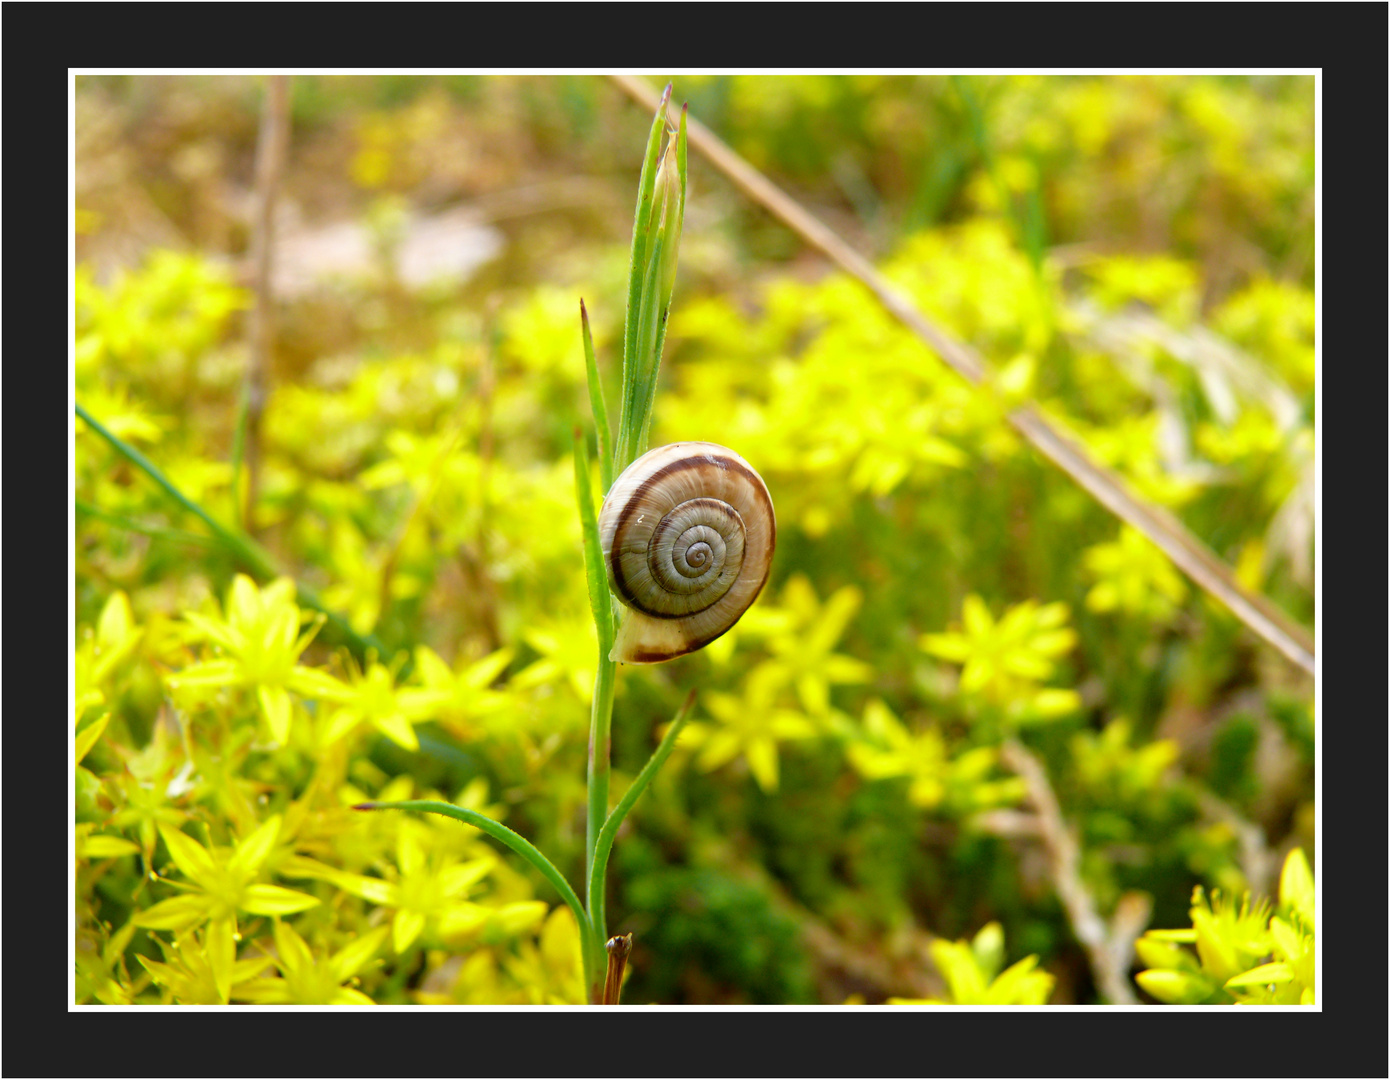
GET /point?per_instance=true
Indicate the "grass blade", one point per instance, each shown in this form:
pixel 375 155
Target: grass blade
pixel 634 356
pixel 597 405
pixel 609 831
pixel 250 554
pixel 599 603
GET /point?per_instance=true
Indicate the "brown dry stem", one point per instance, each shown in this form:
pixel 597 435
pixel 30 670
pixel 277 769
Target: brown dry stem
pixel 1109 948
pixel 271 148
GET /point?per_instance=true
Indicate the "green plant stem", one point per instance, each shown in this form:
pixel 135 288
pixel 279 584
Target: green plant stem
pixel 651 275
pixel 598 866
pixel 600 746
pixel 597 404
pixel 522 847
pixel 640 299
pixel 250 554
pixel 601 715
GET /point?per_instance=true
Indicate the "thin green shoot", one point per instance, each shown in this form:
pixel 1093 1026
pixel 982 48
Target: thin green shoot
pixel 250 554
pixel 597 405
pixel 599 866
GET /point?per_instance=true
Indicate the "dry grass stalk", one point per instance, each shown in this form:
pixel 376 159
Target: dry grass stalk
pixel 271 148
pixel 1108 947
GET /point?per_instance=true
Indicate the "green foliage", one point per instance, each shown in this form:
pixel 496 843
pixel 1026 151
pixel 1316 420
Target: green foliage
pixel 1246 954
pixel 937 589
pixel 725 929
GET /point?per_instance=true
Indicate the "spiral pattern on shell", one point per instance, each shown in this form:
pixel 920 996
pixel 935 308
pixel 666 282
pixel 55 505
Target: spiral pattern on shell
pixel 688 533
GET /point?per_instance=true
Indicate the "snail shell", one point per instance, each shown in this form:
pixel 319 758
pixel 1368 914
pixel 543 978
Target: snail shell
pixel 688 533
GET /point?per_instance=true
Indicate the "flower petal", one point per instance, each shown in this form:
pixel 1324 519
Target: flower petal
pixel 277 710
pixel 397 728
pixel 189 856
pixel 107 847
pixel 87 738
pixel 369 888
pixel 762 762
pixel 177 913
pixel 275 900
pixel 221 954
pixel 346 995
pixel 252 852
pixel 348 961
pixel 295 957
pixel 406 928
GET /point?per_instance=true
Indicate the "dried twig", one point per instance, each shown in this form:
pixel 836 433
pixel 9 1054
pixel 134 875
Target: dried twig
pixel 271 148
pixel 1187 552
pixel 1109 948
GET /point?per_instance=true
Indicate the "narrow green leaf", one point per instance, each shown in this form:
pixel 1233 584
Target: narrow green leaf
pixel 670 256
pixel 593 548
pixel 641 227
pixel 638 292
pixel 609 832
pixel 640 385
pixel 251 555
pixel 597 405
pixel 250 552
pixel 654 304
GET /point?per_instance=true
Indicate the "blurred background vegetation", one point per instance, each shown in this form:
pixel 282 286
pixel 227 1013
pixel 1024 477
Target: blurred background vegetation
pixel 1134 253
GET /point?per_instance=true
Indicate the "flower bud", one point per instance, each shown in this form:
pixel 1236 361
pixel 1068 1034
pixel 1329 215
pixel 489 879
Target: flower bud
pixel 668 213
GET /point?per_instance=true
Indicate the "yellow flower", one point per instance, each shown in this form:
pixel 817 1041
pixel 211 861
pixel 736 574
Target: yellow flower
pixel 306 980
pixel 223 883
pixel 261 642
pixel 1005 660
pixel 971 970
pixel 750 726
pixel 427 890
pixel 192 976
pixel 373 697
